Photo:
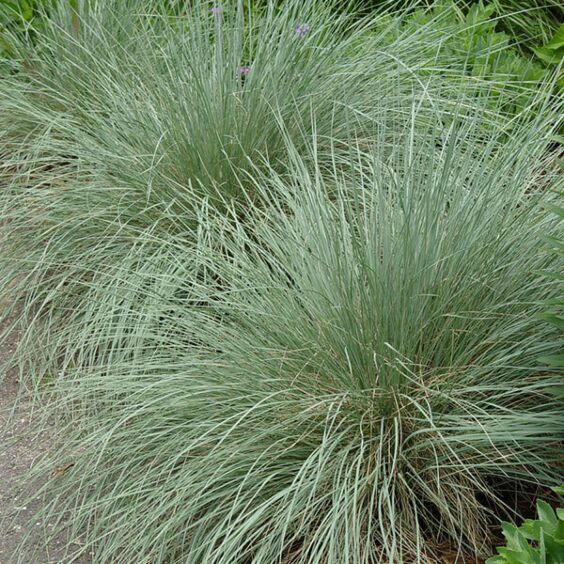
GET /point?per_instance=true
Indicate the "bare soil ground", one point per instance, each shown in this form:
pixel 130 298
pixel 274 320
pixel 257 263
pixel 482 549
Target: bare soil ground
pixel 20 448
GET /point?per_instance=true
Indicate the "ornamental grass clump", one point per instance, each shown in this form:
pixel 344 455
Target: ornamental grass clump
pixel 170 105
pixel 280 296
pixel 120 123
pixel 350 373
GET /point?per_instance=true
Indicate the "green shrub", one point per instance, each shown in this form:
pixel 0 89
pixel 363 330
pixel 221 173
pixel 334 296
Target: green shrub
pixel 552 53
pixel 15 17
pixel 528 23
pixel 471 42
pixel 546 534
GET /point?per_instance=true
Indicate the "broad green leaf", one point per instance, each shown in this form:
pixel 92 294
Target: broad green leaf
pixel 27 10
pixel 557 40
pixel 531 529
pixel 515 539
pixel 496 560
pixel 554 549
pixel 559 489
pixel 542 550
pixel 559 531
pixel 546 513
pixel 525 556
pixel 547 55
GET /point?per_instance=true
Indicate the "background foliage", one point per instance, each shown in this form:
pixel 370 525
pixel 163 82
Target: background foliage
pixel 538 541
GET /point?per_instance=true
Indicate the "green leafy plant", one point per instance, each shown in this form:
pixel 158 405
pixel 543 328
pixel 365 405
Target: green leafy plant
pixel 22 17
pixel 526 22
pixel 536 541
pixel 13 15
pixel 23 10
pixel 488 52
pixel 552 53
pixel 472 42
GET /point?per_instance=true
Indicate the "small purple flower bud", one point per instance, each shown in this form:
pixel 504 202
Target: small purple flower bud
pixel 302 29
pixel 244 70
pixel 216 10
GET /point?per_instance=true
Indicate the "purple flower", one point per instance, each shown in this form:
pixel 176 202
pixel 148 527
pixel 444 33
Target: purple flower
pixel 216 10
pixel 244 70
pixel 302 29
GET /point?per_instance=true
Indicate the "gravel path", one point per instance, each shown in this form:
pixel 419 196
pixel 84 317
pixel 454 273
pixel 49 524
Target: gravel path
pixel 18 451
